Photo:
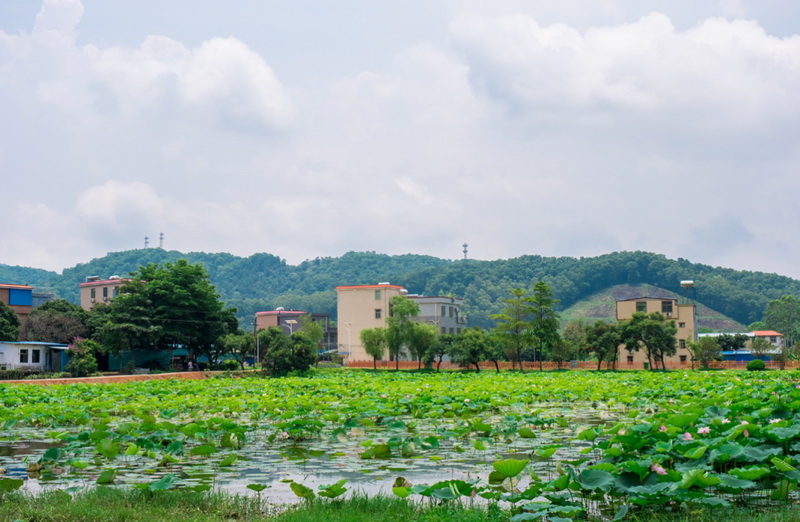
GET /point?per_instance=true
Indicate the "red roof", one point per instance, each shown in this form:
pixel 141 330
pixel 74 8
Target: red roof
pixel 766 333
pixel 366 287
pixel 104 282
pixel 24 287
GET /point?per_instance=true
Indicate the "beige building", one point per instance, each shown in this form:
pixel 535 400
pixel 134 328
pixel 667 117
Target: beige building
pixel 367 306
pixel 359 307
pixel 684 315
pixel 96 290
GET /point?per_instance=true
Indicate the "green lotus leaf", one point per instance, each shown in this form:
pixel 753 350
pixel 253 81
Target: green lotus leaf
pixel 510 467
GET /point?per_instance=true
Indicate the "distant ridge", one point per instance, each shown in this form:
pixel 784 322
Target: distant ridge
pixel 264 281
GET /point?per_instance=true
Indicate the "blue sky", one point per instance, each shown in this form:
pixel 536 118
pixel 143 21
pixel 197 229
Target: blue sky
pixel 305 129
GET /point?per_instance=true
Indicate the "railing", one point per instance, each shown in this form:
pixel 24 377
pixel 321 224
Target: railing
pixel 571 365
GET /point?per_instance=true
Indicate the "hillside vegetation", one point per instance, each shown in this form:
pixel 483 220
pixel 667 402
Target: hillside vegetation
pixel 264 281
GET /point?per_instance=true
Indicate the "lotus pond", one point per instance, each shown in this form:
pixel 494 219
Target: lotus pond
pixel 553 444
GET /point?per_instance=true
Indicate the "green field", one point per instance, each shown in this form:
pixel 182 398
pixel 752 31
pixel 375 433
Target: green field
pixel 554 444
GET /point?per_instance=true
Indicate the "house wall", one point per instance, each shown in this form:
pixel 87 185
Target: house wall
pixel 442 312
pixel 20 299
pixel 94 292
pixel 685 319
pixel 356 310
pixel 10 357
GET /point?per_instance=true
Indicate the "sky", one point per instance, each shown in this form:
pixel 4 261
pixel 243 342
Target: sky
pixel 308 129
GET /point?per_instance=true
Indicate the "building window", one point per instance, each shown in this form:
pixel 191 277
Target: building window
pixel 377 295
pixel 682 343
pixel 452 330
pixel 641 306
pixel 23 356
pixel 458 330
pixel 36 356
pixel 105 293
pixel 115 293
pixel 666 308
pixel 630 358
pixel 444 310
pixel 93 293
pixel 451 311
pixel 681 325
pixel 377 313
pixel 683 358
pixel 444 330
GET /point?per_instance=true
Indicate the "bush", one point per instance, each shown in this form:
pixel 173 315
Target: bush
pixel 229 365
pixel 81 357
pixel 756 365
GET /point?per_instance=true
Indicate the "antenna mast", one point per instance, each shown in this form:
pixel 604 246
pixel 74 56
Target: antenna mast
pixel 465 251
pixel 146 241
pixel 161 240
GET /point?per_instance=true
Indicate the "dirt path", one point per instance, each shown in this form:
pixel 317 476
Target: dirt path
pixel 112 378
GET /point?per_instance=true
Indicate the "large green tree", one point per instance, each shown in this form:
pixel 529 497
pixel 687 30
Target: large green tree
pixel 602 341
pixel 240 345
pixel 513 325
pixel 9 323
pixel 400 326
pixel 471 347
pixel 165 307
pixel 57 321
pixel 544 320
pixel 653 332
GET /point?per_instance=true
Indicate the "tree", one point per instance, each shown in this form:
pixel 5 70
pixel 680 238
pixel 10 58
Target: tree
pixel 399 326
pixel 471 347
pixel 166 307
pixel 513 326
pixel 732 342
pixel 783 315
pixel 652 331
pixel 304 352
pixel 444 345
pixel 82 361
pixel 574 334
pixel 544 324
pixel 276 350
pixel 705 350
pixel 495 350
pixel 9 323
pixel 313 330
pixel 423 340
pixel 57 321
pixel 374 342
pixel 603 340
pixel 760 346
pixel 240 345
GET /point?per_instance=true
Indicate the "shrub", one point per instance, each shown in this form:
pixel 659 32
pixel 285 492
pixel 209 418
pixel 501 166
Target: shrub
pixel 81 358
pixel 756 365
pixel 229 365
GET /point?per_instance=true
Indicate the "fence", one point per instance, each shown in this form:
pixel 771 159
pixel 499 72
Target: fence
pixel 569 365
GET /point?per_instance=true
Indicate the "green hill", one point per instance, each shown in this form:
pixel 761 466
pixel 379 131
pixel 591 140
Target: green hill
pixel 264 281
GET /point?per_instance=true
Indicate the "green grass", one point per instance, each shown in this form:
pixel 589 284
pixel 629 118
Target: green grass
pixel 113 504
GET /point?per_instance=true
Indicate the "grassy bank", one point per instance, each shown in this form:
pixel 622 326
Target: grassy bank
pixel 117 505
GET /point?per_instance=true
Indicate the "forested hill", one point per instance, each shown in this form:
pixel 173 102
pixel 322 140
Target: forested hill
pixel 264 281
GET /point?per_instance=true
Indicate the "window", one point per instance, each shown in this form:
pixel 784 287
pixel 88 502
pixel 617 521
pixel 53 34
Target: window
pixel 444 310
pixel 94 293
pixel 682 343
pixel 683 358
pixel 105 293
pixel 681 325
pixel 458 330
pixel 377 295
pixel 630 358
pixel 641 306
pixel 452 331
pixel 444 330
pixel 451 311
pixel 666 308
pixel 378 313
pixel 23 356
pixel 115 293
pixel 36 356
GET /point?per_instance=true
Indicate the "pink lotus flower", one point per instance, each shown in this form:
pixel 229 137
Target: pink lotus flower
pixel 705 430
pixel 662 429
pixel 726 421
pixel 658 469
pixel 687 436
pixel 773 421
pixel 746 433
